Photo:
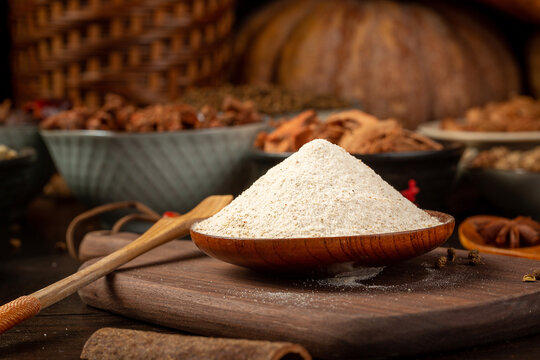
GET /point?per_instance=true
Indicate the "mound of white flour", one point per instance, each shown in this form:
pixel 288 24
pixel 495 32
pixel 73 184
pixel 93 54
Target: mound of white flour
pixel 319 191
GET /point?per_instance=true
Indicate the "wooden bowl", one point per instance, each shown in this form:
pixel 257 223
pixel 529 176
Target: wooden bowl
pixel 310 253
pixel 470 239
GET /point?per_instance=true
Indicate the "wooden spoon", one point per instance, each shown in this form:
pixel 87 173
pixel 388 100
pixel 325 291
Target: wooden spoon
pixel 166 229
pixel 302 254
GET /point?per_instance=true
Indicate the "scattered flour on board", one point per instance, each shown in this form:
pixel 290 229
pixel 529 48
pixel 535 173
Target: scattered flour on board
pixel 348 275
pixel 321 190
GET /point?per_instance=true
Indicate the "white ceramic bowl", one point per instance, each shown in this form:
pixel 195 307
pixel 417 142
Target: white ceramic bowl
pixel 480 139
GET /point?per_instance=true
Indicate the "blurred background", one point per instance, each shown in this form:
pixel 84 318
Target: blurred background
pixel 514 22
pixel 437 81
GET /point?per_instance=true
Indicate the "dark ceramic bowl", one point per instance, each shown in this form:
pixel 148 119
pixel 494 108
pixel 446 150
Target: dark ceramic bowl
pixel 434 171
pixel 22 136
pixel 15 184
pixel 515 192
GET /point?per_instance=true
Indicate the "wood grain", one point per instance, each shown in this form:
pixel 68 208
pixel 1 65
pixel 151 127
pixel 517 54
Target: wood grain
pixel 308 253
pixel 408 309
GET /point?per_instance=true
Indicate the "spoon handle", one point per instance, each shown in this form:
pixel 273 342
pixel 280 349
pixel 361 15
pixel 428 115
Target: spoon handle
pixel 27 306
pixel 17 311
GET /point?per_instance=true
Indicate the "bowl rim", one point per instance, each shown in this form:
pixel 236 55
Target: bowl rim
pixel 503 172
pixel 432 129
pixel 22 125
pixel 123 134
pixel 448 219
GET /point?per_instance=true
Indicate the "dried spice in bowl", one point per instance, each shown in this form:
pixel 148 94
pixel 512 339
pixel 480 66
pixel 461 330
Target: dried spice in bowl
pixel 117 114
pixel 354 130
pixel 269 99
pixel 521 113
pixel 503 158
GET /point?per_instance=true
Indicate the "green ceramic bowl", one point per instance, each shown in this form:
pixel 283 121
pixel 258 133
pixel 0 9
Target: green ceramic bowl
pixel 166 171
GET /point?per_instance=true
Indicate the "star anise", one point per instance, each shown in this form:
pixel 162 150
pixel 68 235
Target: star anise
pixel 502 232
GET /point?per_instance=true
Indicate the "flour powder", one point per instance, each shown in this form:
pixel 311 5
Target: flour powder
pixel 319 191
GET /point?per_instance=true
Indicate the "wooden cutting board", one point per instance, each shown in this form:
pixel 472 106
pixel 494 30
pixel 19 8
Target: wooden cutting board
pixel 409 308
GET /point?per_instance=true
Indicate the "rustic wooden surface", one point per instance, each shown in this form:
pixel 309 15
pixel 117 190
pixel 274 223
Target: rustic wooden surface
pixel 60 331
pixel 165 229
pixel 37 263
pixel 409 308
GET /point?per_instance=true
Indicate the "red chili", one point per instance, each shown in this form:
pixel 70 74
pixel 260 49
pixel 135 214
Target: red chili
pixel 169 214
pixel 411 192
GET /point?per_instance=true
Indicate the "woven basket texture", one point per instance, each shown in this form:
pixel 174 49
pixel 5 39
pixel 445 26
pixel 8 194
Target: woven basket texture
pixel 147 50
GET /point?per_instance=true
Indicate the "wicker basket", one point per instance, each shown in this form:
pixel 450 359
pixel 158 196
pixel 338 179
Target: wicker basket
pixel 147 50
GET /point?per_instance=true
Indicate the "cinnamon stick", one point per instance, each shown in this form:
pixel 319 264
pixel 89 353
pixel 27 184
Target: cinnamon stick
pixel 113 344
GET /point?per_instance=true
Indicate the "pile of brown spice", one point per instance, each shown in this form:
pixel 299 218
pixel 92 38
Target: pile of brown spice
pixel 475 258
pixel 503 158
pixel 354 130
pixel 269 99
pixel 117 114
pixel 507 233
pixel 443 260
pixel 521 113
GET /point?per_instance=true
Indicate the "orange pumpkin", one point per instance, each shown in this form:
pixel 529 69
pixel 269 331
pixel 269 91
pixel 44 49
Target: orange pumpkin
pixel 402 60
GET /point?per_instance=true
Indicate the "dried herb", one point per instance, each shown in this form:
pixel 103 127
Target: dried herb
pixel 475 258
pixel 451 254
pixel 509 233
pixel 269 99
pixel 441 262
pixel 354 130
pixel 117 114
pixel 503 158
pixel 521 113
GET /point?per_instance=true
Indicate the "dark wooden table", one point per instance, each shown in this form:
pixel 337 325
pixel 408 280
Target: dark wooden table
pixel 60 331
